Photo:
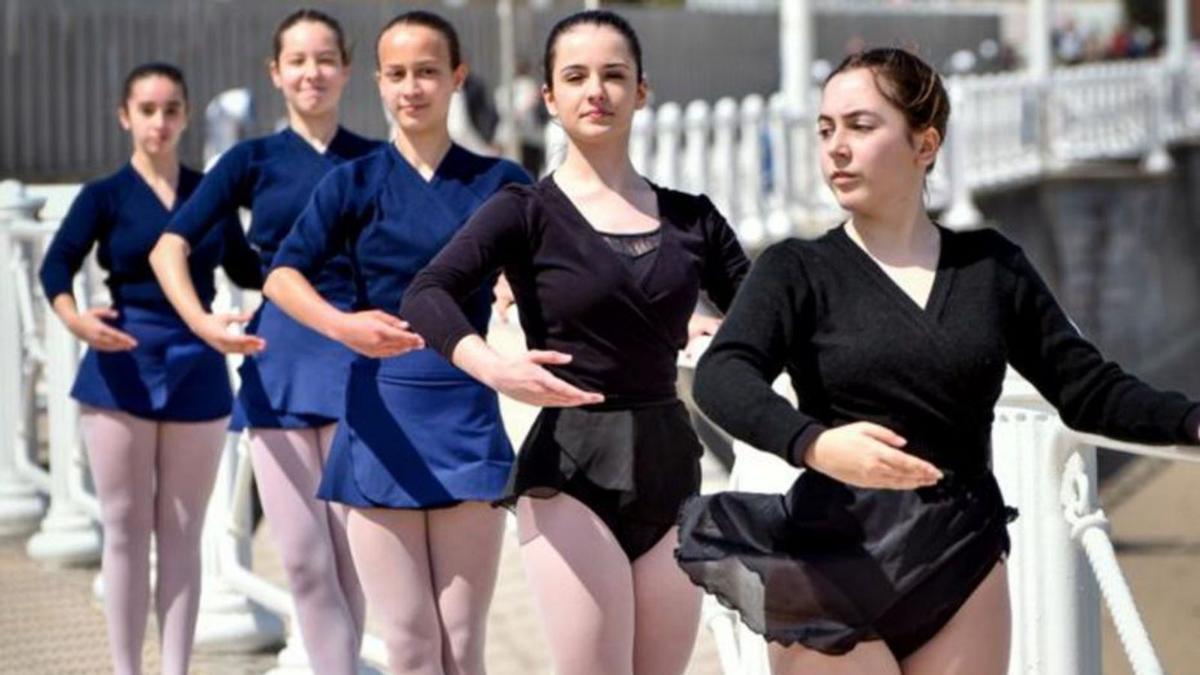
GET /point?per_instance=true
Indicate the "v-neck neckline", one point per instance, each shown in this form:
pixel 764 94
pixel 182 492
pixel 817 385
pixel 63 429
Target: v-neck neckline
pixel 437 170
pixel 597 236
pixel 601 233
pixel 137 175
pixel 942 275
pixel 328 152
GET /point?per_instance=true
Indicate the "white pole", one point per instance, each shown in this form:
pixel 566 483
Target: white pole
pixel 509 142
pixel 21 507
pixel 797 43
pixel 67 535
pixel 1177 33
pixel 1055 599
pixel 1039 60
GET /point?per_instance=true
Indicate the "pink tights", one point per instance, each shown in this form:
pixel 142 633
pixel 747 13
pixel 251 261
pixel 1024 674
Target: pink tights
pixel 430 576
pixel 311 537
pixel 151 477
pixel 603 614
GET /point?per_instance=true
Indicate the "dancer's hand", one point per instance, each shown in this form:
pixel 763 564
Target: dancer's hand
pixel 504 299
pixel 90 327
pixel 524 378
pixel 376 334
pixel 700 327
pixel 215 330
pixel 867 455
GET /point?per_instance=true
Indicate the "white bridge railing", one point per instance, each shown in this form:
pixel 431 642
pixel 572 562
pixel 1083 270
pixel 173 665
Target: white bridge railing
pixel 757 159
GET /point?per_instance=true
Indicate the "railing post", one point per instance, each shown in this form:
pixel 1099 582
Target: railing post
pixel 21 505
pixel 641 139
pixel 750 224
pixel 1055 600
pixel 668 124
pixel 779 218
pixel 961 214
pixel 697 119
pixel 723 160
pixel 1159 161
pixel 555 146
pixel 68 535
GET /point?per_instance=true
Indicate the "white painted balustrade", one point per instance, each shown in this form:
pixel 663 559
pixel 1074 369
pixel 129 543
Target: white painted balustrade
pixel 757 158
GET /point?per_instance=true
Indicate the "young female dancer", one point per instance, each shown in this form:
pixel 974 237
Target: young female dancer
pixel 154 399
pixel 887 555
pixel 606 270
pixel 420 451
pixel 291 392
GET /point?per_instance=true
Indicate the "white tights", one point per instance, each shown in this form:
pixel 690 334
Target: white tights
pixel 430 576
pixel 603 614
pixel 151 477
pixel 311 537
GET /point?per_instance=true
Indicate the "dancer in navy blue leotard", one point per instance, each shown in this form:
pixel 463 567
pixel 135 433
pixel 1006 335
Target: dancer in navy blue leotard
pixel 155 399
pixel 292 391
pixel 420 451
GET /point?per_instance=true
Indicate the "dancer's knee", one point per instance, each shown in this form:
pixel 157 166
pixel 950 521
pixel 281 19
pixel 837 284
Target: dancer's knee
pixel 413 645
pixel 463 646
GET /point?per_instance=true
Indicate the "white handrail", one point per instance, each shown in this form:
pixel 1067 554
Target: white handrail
pixel 1007 128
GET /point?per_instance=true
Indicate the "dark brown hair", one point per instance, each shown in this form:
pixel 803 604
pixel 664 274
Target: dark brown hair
pixel 316 16
pixel 435 22
pixel 593 17
pixel 907 82
pixel 172 73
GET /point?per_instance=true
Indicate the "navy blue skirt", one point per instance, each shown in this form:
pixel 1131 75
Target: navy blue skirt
pixel 171 376
pixel 297 382
pixel 417 433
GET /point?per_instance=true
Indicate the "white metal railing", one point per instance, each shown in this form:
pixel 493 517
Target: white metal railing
pixel 1062 561
pixel 758 159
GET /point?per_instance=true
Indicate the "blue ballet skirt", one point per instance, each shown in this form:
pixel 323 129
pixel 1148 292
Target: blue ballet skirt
pixel 417 433
pixel 171 376
pixel 297 382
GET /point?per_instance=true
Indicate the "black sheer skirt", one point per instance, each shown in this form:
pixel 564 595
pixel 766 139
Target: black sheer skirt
pixel 829 565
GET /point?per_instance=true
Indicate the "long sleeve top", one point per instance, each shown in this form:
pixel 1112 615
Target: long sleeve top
pixel 858 348
pixel 575 295
pixel 391 222
pixel 123 218
pixel 273 177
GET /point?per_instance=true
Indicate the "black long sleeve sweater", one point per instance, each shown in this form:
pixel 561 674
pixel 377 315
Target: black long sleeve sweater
pixel 858 348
